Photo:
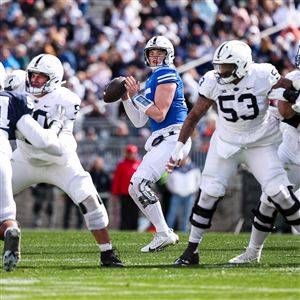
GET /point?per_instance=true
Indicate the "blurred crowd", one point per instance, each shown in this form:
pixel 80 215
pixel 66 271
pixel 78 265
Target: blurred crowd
pixel 98 40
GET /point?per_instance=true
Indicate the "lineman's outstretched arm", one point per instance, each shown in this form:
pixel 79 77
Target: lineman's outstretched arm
pixel 197 112
pixel 39 137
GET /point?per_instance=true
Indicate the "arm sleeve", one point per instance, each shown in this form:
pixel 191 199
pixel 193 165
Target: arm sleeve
pixel 40 138
pixel 136 116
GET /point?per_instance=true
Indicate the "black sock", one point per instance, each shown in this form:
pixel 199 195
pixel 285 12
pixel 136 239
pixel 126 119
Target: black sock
pixel 192 247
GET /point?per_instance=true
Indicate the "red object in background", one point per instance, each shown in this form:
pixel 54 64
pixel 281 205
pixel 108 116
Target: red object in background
pixel 122 176
pixel 131 148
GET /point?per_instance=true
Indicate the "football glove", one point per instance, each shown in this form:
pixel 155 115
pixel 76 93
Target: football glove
pixel 291 94
pixel 56 118
pixel 176 157
pixel 296 106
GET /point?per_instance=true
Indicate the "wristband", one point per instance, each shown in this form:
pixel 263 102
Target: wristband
pixel 142 102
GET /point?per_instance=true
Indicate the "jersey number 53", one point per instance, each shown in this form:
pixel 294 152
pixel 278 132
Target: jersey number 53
pixel 231 114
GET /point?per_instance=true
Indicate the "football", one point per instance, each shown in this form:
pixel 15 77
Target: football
pixel 114 90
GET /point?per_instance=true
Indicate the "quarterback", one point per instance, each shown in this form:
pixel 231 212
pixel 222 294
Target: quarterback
pixel 30 165
pixel 164 105
pixel 246 132
pixel 15 119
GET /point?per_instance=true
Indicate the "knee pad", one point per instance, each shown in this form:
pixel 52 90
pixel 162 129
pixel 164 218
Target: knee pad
pixel 265 200
pixel 288 205
pixel 276 185
pixel 264 217
pixel 94 212
pixel 140 191
pixel 203 210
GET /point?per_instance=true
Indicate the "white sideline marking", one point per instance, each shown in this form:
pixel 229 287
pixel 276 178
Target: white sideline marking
pixel 173 289
pixel 18 281
pixel 60 260
pixel 63 245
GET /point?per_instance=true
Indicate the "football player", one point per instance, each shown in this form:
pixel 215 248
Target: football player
pixel 30 165
pixel 246 132
pixel 289 154
pixel 15 116
pixel 164 105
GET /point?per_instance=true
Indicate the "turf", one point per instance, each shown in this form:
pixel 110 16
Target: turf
pixel 65 265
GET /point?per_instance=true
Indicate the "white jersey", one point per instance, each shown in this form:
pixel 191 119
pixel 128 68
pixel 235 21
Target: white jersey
pixel 243 109
pixel 291 131
pixel 43 105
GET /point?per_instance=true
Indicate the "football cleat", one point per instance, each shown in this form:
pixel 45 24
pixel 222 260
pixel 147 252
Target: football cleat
pixel 187 259
pixel 249 256
pixel 11 251
pixel 110 258
pixel 160 241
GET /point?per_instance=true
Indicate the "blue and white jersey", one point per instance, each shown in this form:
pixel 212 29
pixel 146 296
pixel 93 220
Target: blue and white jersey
pixel 178 109
pixel 12 107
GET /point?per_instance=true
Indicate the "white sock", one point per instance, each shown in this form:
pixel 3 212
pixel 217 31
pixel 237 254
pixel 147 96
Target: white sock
pixel 105 247
pixel 156 217
pixel 257 238
pixel 297 228
pixel 196 234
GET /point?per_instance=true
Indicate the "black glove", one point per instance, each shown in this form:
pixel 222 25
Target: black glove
pixel 291 94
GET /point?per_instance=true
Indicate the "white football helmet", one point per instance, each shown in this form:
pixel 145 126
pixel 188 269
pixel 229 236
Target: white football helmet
pixel 48 65
pixel 235 53
pixel 2 76
pixel 297 58
pixel 15 81
pixel 160 42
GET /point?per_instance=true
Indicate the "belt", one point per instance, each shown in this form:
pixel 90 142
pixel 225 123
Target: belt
pixel 161 137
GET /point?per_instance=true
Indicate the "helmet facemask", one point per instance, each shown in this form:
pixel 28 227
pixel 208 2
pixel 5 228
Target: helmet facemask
pixel 36 90
pixel 147 57
pixel 225 73
pixel 297 58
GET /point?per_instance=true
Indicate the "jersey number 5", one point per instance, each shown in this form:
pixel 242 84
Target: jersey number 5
pixel 232 114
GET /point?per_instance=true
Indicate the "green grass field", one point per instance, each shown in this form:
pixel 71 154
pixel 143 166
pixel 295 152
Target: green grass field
pixel 65 265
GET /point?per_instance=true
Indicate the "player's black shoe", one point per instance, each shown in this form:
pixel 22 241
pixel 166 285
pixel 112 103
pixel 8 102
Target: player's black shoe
pixel 11 251
pixel 187 259
pixel 110 258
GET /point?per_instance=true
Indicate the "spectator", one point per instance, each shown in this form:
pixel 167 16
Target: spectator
pixel 101 179
pixel 120 184
pixel 68 207
pixel 43 198
pixel 183 184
